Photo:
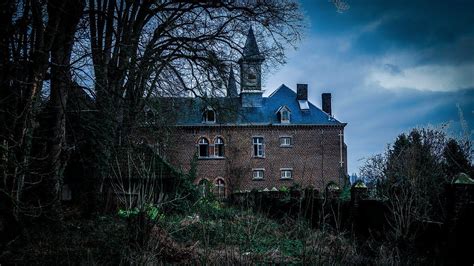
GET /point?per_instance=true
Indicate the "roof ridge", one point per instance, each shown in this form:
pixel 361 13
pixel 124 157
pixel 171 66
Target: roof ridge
pixel 280 87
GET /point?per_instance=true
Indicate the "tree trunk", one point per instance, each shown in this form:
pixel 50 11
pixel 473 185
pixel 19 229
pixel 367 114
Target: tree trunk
pixel 69 14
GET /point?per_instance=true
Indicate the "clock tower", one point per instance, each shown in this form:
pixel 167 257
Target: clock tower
pixel 251 73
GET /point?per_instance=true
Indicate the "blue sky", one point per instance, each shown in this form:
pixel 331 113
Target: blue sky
pixel 390 66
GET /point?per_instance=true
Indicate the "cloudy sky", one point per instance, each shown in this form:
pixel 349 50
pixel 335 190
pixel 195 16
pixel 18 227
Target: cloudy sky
pixel 390 66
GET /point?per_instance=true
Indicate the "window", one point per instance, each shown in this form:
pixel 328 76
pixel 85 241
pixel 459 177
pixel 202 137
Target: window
pixel 286 173
pixel 209 116
pixel 258 147
pixel 220 188
pixel 284 114
pixel 219 147
pixel 285 141
pixel 204 187
pixel 203 147
pixel 258 173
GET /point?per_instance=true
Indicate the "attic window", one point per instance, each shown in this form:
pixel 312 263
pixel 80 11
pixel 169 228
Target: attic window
pixel 209 116
pixel 284 115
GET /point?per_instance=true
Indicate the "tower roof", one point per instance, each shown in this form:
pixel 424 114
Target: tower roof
pixel 251 50
pixel 231 86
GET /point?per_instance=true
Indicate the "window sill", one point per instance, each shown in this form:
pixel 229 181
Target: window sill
pixel 258 179
pixel 286 146
pixel 211 158
pixel 286 178
pixel 258 157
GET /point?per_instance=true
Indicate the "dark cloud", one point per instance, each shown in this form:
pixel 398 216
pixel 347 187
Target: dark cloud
pixel 445 27
pixel 392 69
pixel 415 41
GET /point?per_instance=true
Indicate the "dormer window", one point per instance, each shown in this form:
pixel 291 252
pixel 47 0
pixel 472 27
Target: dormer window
pixel 284 114
pixel 209 116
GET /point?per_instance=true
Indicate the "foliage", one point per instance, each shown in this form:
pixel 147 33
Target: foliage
pixel 284 189
pixel 456 159
pixel 215 226
pixel 152 212
pixel 345 194
pixel 412 175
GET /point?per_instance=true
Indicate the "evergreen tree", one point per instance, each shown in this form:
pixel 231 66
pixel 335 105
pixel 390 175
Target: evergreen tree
pixel 456 160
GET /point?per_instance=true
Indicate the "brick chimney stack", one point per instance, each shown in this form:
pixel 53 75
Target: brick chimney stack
pixel 302 92
pixel 326 102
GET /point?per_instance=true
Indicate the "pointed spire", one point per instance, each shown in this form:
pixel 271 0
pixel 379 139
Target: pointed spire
pixel 231 86
pixel 251 47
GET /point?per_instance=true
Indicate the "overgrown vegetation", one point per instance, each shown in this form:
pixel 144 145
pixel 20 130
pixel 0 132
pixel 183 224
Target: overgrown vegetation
pixel 414 177
pixel 209 232
pixel 75 78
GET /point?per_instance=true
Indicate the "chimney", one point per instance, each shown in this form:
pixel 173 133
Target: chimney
pixel 302 92
pixel 326 102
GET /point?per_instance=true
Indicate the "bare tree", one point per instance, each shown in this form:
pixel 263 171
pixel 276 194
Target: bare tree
pixel 138 49
pixel 148 48
pixel 36 45
pixel 409 176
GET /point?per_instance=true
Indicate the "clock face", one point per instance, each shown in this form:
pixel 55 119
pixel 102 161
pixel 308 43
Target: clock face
pixel 252 75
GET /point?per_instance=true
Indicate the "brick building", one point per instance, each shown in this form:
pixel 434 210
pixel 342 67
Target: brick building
pixel 246 141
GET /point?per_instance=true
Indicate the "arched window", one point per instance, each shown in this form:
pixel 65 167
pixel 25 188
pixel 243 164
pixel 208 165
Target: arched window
pixel 219 147
pixel 203 187
pixel 220 189
pixel 203 147
pixel 209 115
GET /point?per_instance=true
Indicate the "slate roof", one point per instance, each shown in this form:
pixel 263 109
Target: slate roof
pixel 251 50
pixel 188 111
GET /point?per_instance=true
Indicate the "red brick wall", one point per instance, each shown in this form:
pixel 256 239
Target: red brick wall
pixel 314 155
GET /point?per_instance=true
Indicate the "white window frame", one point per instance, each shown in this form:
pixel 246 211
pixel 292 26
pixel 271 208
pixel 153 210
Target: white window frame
pixel 216 144
pixel 258 170
pixel 284 114
pixel 258 146
pixel 220 188
pixel 203 187
pixel 284 173
pixel 283 119
pixel 283 143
